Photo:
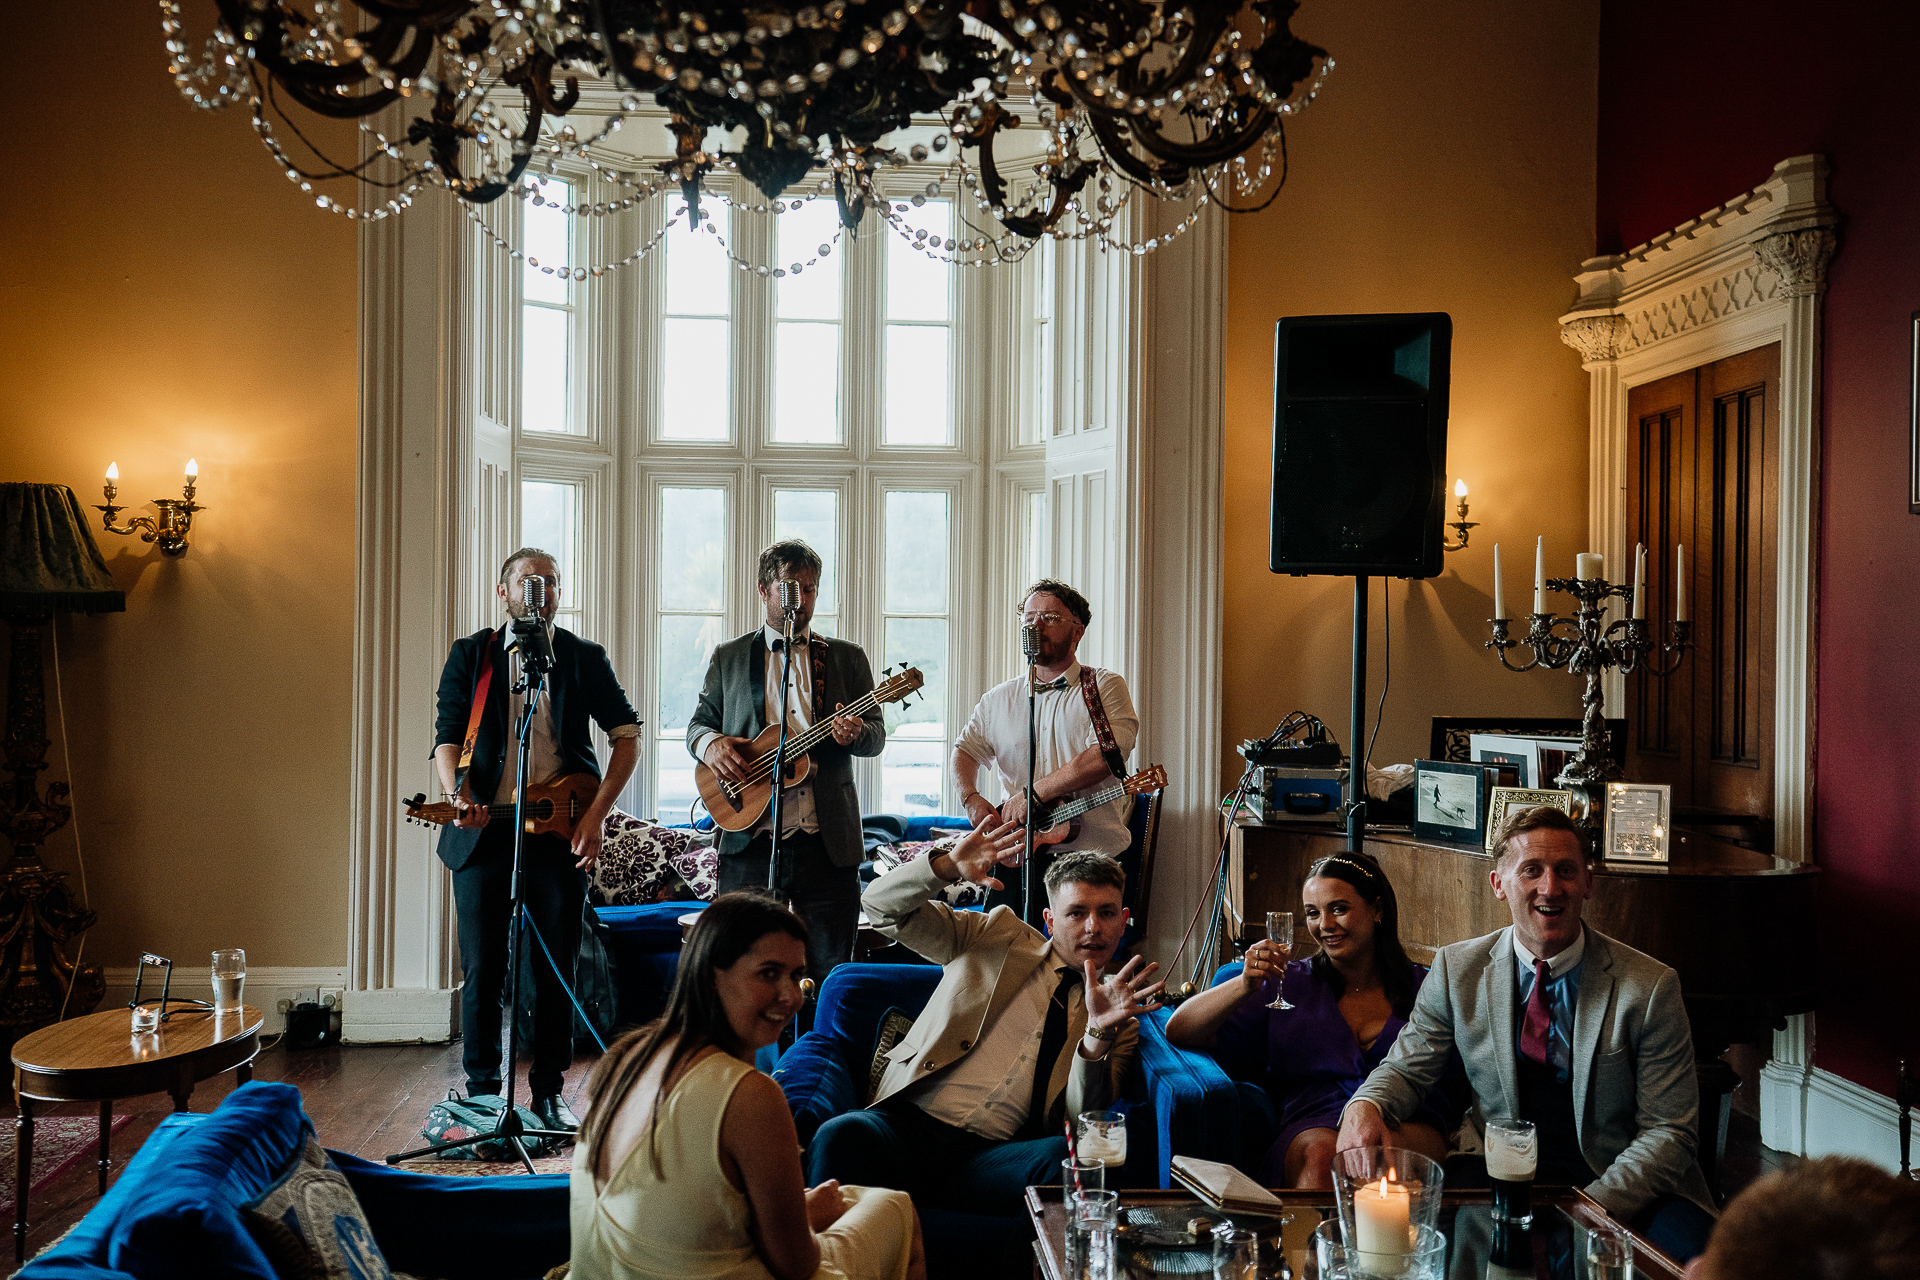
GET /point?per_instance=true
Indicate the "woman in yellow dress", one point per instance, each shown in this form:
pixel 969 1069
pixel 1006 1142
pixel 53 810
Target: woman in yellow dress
pixel 688 1165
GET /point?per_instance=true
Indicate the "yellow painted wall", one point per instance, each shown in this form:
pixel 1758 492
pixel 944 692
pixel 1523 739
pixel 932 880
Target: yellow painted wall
pixel 1447 166
pixel 167 293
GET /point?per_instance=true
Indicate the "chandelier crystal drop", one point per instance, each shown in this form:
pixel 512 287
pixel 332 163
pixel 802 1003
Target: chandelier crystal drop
pixel 1055 113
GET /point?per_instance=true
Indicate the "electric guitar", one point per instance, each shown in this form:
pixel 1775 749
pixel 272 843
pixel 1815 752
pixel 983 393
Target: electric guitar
pixel 1061 821
pixel 554 807
pixel 736 807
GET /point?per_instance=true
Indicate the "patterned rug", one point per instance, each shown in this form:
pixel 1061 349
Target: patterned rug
pixel 562 1163
pixel 59 1143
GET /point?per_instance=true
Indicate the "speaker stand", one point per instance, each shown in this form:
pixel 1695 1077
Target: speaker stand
pixel 1356 749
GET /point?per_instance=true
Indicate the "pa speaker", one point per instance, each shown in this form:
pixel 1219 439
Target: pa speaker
pixel 1360 444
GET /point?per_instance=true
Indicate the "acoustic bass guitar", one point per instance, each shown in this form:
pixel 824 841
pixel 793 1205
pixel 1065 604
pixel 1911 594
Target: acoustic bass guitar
pixel 1061 821
pixel 736 807
pixel 552 808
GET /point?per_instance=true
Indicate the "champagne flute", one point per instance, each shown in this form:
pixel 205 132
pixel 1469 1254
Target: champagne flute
pixel 1280 937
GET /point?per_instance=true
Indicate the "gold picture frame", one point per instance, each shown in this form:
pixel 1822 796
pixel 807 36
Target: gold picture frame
pixel 1505 798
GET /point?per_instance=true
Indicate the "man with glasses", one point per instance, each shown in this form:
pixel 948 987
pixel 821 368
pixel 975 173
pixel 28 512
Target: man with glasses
pixel 1086 730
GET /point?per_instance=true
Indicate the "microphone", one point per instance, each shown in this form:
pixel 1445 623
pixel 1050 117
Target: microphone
pixel 533 595
pixel 789 596
pixel 530 630
pixel 1029 642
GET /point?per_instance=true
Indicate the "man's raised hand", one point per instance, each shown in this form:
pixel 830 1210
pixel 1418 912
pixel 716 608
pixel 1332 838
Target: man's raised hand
pixel 991 844
pixel 1113 1002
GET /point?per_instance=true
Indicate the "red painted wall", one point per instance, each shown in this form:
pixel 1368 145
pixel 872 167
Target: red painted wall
pixel 1697 103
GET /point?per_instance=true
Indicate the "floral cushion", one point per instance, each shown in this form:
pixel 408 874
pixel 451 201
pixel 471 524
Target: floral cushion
pixel 643 862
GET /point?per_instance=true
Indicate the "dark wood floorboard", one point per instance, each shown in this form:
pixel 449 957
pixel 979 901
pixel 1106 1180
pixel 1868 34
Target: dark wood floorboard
pixel 367 1100
pixel 371 1101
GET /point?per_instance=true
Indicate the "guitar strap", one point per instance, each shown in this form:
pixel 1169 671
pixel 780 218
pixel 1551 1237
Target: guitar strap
pixel 1102 731
pixel 481 688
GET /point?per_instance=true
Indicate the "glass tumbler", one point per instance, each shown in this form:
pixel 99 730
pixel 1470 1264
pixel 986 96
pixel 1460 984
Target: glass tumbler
pixel 1092 1250
pixel 229 978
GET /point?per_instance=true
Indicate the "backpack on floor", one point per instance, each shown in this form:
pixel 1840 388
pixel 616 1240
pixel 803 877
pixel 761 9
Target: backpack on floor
pixel 460 1117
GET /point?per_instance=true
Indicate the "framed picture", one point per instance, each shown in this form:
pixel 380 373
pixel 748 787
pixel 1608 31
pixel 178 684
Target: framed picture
pixel 1639 821
pixel 1913 416
pixel 1505 798
pixel 1450 801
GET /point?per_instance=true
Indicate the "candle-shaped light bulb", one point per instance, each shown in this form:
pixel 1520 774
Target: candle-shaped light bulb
pixel 1459 488
pixel 1499 593
pixel 1639 581
pixel 193 468
pixel 1680 582
pixel 1540 574
pixel 113 473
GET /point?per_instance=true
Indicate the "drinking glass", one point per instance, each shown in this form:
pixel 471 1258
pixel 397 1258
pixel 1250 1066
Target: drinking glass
pixel 1083 1173
pixel 1236 1253
pixel 1280 936
pixel 146 1019
pixel 1327 1253
pixel 1092 1251
pixel 1513 1152
pixel 229 977
pixel 1102 1136
pixel 1609 1252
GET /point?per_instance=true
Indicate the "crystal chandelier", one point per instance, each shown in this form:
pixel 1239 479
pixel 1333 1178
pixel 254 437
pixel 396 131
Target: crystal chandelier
pixel 1184 102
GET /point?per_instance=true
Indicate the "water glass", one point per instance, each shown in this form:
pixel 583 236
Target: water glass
pixel 229 977
pixel 1236 1253
pixel 1092 1249
pixel 1609 1252
pixel 1083 1173
pixel 1327 1253
pixel 1513 1153
pixel 1102 1136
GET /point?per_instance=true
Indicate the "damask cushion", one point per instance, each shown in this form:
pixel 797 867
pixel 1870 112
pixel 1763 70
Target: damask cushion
pixel 311 1225
pixel 643 862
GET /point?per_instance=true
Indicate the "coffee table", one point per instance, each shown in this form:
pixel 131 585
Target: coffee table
pixel 98 1058
pixel 1554 1247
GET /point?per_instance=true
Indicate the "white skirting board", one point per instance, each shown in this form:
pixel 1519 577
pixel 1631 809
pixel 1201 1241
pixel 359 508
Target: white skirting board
pixel 1810 1112
pixel 266 989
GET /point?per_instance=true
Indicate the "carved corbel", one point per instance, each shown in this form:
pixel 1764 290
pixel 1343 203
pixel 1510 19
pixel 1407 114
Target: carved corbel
pixel 1595 337
pixel 1799 258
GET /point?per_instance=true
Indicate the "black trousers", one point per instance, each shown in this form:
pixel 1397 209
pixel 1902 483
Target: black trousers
pixel 555 892
pixel 827 897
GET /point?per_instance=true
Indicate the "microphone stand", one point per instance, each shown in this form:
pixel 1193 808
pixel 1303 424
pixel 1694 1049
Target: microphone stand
pixel 1027 909
pixel 535 663
pixel 774 878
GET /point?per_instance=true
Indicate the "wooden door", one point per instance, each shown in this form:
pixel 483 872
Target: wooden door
pixel 1703 470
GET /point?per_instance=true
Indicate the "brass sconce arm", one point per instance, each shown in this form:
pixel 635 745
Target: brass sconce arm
pixel 168 530
pixel 1461 526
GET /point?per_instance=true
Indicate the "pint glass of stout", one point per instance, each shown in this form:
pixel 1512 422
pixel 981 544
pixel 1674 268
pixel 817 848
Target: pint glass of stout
pixel 1513 1152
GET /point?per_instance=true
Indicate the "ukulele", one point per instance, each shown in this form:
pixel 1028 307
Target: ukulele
pixel 1061 821
pixel 737 807
pixel 553 807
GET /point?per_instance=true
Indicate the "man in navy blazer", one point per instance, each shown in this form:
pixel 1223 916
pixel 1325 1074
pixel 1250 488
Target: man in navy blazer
pixel 1560 1025
pixel 821 843
pixel 582 687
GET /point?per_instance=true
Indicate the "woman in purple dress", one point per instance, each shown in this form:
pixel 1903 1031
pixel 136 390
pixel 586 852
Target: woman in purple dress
pixel 1349 1003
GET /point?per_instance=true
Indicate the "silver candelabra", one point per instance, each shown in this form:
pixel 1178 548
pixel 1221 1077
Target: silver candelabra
pixel 1586 644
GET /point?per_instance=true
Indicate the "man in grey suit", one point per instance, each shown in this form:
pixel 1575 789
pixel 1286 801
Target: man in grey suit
pixel 821 845
pixel 1560 1025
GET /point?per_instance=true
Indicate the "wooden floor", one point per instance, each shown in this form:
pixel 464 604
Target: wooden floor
pixel 368 1100
pixel 371 1101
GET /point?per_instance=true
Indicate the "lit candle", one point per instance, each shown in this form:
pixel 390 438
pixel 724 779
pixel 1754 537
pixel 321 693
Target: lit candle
pixel 1499 594
pixel 1680 582
pixel 1589 564
pixel 1382 1212
pixel 193 468
pixel 113 472
pixel 1540 574
pixel 1639 580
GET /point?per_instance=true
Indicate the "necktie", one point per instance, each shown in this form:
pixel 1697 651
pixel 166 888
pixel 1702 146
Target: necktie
pixel 1539 1020
pixel 1053 1038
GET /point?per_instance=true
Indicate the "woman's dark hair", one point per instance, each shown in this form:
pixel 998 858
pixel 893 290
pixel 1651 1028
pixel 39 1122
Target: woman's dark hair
pixel 1389 957
pixel 695 1017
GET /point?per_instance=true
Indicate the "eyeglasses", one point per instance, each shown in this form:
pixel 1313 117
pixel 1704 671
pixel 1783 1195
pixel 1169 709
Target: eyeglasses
pixel 1042 619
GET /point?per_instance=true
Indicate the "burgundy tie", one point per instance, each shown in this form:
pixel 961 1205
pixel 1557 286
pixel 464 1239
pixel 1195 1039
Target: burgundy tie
pixel 1534 1027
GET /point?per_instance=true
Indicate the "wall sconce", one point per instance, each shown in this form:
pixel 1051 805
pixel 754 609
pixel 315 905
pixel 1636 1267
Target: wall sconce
pixel 170 528
pixel 1462 524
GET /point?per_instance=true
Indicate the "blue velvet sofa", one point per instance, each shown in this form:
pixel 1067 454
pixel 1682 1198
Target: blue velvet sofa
pixel 178 1209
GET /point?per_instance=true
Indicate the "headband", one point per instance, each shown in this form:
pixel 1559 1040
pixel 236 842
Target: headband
pixel 1347 862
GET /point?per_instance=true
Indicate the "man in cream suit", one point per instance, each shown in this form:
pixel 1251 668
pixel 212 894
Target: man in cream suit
pixel 1022 1032
pixel 1560 1025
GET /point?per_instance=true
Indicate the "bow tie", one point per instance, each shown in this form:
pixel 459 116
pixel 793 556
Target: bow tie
pixel 1059 682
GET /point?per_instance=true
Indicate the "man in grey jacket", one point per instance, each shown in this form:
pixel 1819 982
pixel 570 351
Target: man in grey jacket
pixel 1562 1026
pixel 821 844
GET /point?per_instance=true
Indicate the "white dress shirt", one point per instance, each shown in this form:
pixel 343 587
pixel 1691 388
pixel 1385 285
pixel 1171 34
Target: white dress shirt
pixel 543 746
pixel 996 734
pixel 797 810
pixel 990 1091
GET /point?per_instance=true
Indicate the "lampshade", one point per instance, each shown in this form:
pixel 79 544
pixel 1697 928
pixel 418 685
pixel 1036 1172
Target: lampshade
pixel 48 558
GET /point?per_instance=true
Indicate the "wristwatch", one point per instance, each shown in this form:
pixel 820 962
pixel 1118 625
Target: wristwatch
pixel 1095 1033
